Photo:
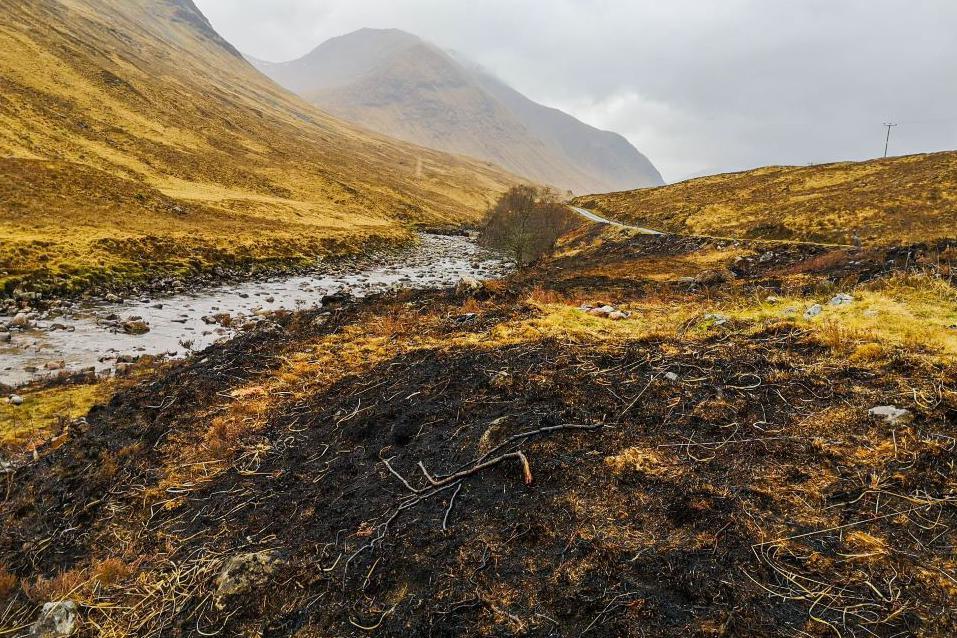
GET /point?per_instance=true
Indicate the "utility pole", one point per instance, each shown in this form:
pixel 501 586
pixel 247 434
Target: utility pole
pixel 887 140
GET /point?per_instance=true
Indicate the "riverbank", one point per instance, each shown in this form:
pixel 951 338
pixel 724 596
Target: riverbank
pixel 99 336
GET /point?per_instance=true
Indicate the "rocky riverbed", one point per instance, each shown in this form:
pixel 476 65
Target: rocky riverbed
pixel 102 337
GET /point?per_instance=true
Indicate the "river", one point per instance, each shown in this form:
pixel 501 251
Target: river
pixel 86 337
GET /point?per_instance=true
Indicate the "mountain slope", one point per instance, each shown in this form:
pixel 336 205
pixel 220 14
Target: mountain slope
pixel 136 141
pixel 395 83
pixel 900 199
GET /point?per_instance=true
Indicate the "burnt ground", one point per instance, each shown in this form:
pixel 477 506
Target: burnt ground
pixel 732 485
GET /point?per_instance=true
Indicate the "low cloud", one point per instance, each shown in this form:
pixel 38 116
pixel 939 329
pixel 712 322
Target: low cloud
pixel 698 86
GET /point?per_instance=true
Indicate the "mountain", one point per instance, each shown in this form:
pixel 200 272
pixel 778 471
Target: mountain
pixel 395 83
pixel 898 199
pixel 136 142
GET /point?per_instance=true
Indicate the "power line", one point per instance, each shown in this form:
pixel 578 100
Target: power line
pixel 887 140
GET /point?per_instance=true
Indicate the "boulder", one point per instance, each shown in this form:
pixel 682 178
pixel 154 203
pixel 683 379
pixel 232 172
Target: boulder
pixel 57 619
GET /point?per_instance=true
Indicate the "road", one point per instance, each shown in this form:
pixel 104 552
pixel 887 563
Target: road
pixel 591 215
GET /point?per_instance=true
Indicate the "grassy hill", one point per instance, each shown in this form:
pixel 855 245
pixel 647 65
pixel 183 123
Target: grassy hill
pixel 901 199
pixel 135 141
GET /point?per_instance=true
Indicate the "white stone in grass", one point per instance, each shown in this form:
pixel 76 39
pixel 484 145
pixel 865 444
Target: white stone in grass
pixel 813 311
pixel 57 620
pixel 891 414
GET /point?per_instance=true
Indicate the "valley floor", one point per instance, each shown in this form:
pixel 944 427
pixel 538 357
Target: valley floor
pixel 763 444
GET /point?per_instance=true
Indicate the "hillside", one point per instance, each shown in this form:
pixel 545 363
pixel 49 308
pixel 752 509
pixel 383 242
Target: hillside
pixel 136 142
pixel 397 84
pixel 901 199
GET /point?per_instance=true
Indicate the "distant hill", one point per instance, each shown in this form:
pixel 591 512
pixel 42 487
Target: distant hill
pixel 395 83
pixel 900 199
pixel 134 140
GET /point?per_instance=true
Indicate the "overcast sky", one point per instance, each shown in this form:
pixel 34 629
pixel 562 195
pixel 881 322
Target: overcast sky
pixel 699 86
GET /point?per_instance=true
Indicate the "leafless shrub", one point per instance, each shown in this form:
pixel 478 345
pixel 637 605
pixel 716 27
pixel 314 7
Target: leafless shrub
pixel 526 222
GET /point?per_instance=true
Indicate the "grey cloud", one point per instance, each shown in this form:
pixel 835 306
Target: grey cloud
pixel 698 85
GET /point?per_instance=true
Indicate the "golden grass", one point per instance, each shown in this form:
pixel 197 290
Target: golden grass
pixel 122 124
pixel 42 411
pixel 905 199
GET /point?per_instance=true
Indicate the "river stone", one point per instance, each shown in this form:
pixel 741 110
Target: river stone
pixel 21 320
pixel 135 327
pixel 468 284
pixel 57 619
pixel 5 337
pixel 243 574
pixel 891 414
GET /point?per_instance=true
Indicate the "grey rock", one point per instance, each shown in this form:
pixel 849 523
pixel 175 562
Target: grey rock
pixel 891 414
pixel 243 574
pixel 671 376
pixel 713 277
pixel 841 299
pixel 813 311
pixel 56 620
pixel 716 318
pixel 5 337
pixel 15 399
pixel 467 285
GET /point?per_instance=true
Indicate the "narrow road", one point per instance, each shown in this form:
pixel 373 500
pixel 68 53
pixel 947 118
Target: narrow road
pixel 592 216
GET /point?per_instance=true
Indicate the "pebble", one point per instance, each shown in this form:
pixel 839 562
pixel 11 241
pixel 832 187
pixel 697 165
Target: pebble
pixel 671 376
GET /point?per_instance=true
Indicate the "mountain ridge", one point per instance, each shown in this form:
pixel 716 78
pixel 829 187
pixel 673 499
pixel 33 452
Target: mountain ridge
pixel 398 84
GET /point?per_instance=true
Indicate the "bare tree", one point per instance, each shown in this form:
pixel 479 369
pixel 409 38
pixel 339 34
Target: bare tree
pixel 526 222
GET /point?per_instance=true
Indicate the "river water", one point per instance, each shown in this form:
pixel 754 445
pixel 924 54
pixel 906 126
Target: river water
pixel 92 336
